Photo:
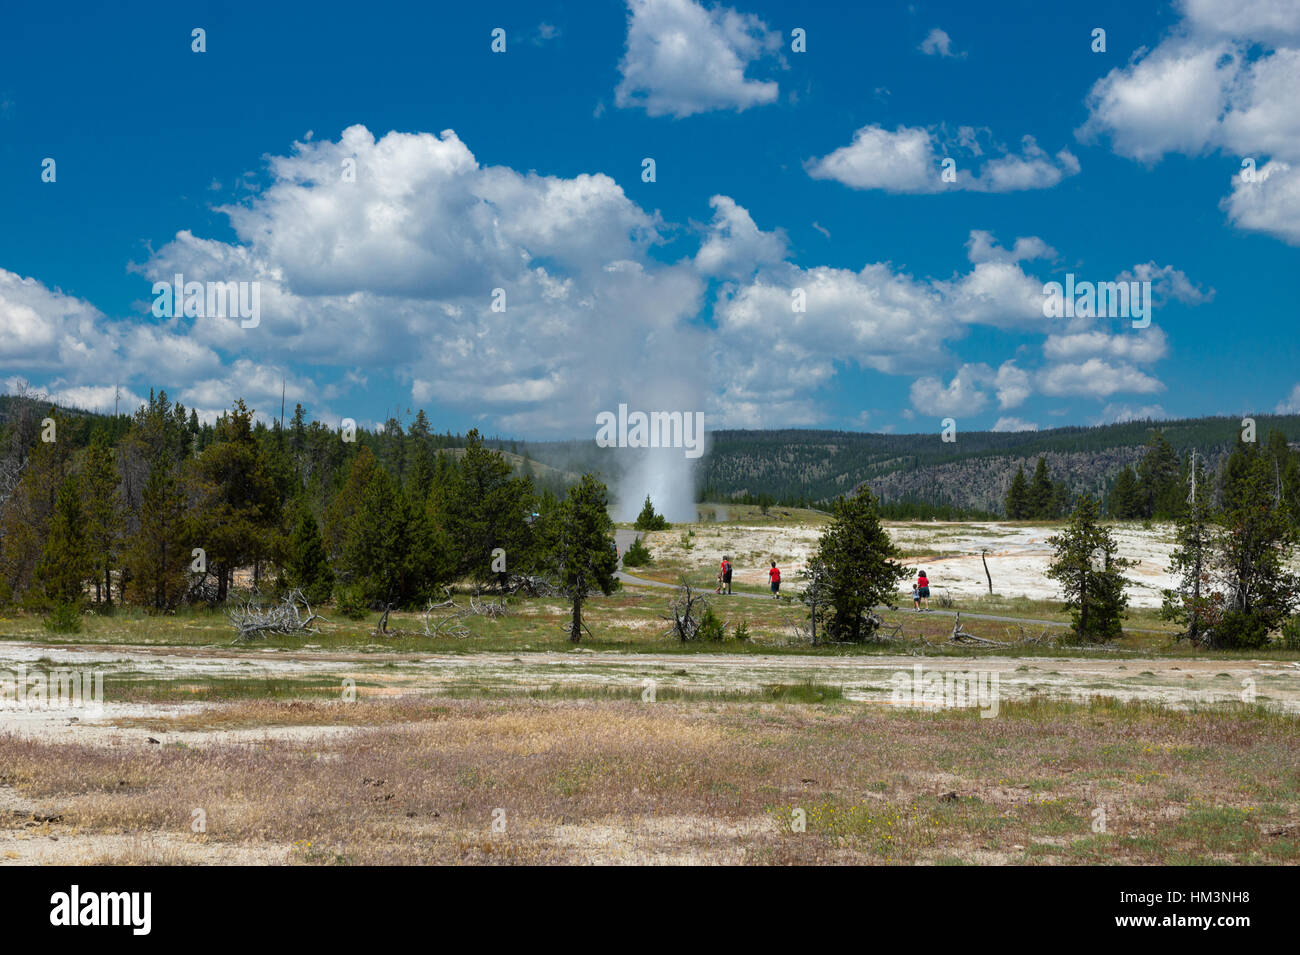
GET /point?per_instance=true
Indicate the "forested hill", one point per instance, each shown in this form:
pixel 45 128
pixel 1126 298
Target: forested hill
pixel 970 474
pixel 914 475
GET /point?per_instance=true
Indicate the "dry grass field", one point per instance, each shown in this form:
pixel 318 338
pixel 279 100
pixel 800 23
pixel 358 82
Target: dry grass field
pixel 605 781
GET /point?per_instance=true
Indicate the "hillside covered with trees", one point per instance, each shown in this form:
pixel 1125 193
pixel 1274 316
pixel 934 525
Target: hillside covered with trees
pixel 922 476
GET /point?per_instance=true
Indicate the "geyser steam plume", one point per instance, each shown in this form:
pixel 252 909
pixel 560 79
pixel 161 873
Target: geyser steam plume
pixel 666 474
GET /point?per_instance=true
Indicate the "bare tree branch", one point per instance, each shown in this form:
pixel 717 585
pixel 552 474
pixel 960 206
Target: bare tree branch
pixel 255 621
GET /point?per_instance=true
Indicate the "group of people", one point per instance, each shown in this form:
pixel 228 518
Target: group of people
pixel 920 589
pixel 724 578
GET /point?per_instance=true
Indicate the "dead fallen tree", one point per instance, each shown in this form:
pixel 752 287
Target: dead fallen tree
pixel 449 624
pixel 964 636
pixel 882 632
pixel 530 585
pixel 1025 640
pixel 1021 638
pixel 493 609
pixel 253 620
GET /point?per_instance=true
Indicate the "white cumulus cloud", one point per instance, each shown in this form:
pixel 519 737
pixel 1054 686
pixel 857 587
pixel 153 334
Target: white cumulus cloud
pixel 937 43
pixel 684 59
pixel 1014 424
pixel 909 160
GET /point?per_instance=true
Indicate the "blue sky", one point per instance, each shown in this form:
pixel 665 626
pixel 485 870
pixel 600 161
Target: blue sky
pixel 775 170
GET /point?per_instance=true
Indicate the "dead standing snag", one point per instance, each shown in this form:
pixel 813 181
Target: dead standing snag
pixel 685 613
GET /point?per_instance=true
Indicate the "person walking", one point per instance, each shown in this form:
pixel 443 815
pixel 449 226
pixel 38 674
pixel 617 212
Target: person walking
pixel 774 575
pixel 923 588
pixel 726 573
pixel 916 598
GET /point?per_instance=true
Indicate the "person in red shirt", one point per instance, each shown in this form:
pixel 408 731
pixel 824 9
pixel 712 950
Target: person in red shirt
pixel 725 576
pixel 923 588
pixel 774 575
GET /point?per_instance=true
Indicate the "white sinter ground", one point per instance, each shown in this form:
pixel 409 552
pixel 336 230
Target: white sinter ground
pixel 1018 555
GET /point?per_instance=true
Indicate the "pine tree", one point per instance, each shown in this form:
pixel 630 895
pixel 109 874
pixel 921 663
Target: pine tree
pixel 372 548
pixel 1125 501
pixel 581 551
pixel 192 431
pixel 1041 492
pixel 1160 480
pixel 419 472
pixel 428 559
pixel 237 512
pixel 307 566
pixel 484 507
pixel 65 562
pixel 103 514
pixel 298 430
pixel 1191 601
pixel 25 520
pixel 861 567
pixel 159 552
pixel 1060 499
pixel 419 457
pixel 1255 552
pixel 1090 574
pixel 648 520
pixel 1018 497
pixel 1235 470
pixel 344 505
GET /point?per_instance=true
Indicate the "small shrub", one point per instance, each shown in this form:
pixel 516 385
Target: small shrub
pixel 741 632
pixel 64 618
pixel 712 626
pixel 1291 634
pixel 1240 631
pixel 638 555
pixel 349 603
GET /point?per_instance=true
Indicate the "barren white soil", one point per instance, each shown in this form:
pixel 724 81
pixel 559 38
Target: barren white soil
pixel 1018 555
